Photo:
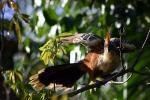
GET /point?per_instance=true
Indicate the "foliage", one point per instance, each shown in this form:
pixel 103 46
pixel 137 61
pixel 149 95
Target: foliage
pixel 37 25
pixel 49 50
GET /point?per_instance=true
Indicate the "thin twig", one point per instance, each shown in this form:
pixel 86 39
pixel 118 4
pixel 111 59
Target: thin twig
pixel 146 39
pixel 121 57
pixel 120 50
pixel 119 83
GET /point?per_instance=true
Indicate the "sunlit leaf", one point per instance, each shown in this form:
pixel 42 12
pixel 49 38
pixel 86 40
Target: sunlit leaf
pixel 13 86
pixel 45 56
pixel 93 89
pixel 13 77
pixel 50 50
pixel 30 98
pixel 47 45
pixel 43 96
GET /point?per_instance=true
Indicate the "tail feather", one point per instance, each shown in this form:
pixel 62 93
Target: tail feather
pixel 65 75
pixel 126 46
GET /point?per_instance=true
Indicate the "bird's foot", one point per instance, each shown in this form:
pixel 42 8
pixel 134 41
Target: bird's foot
pixel 93 89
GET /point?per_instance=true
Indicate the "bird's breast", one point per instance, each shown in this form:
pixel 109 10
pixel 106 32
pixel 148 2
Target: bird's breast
pixel 108 62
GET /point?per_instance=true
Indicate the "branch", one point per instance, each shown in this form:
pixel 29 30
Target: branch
pixel 98 84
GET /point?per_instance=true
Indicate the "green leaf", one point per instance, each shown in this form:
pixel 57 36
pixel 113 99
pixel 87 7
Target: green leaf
pixel 19 75
pixel 17 29
pixel 47 45
pixel 50 16
pixel 45 56
pixel 25 17
pixel 50 50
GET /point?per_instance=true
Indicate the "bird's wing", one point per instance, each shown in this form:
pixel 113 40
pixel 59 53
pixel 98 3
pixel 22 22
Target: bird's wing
pixel 64 75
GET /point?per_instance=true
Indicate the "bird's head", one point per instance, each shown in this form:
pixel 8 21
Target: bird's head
pixel 82 38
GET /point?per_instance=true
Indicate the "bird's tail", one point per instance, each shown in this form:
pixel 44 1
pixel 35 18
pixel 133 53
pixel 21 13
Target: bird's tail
pixel 65 75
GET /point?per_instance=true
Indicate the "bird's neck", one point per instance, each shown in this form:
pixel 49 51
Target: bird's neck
pixel 97 47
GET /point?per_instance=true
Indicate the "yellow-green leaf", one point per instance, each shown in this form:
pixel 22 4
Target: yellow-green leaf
pixel 94 89
pixel 50 50
pixel 45 55
pixel 17 28
pixel 19 75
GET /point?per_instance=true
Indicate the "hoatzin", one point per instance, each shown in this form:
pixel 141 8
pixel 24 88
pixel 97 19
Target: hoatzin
pixel 102 59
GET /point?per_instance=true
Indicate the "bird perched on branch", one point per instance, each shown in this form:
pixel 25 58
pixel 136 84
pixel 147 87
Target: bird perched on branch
pixel 101 60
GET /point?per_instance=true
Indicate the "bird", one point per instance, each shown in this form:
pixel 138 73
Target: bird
pixel 102 58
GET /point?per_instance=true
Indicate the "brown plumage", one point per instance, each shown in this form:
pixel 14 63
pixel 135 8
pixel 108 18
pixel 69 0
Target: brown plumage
pixel 102 59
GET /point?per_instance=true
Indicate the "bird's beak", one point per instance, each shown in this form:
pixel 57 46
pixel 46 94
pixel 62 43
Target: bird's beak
pixel 75 38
